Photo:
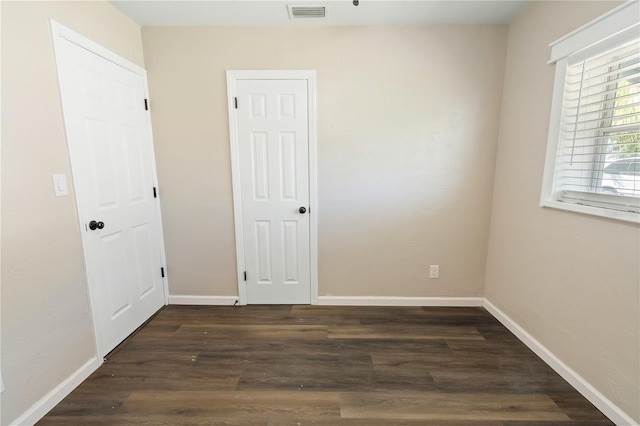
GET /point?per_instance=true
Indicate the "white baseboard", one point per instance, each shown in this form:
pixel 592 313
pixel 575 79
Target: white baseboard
pixel 399 301
pixel 53 398
pixel 202 300
pixel 342 300
pixel 603 404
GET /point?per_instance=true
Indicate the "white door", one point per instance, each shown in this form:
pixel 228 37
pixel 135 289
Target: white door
pixel 113 171
pixel 273 144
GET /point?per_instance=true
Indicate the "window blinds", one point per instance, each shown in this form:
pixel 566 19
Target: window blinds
pixel 599 147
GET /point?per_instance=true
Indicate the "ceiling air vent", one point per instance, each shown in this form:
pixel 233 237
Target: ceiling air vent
pixel 297 12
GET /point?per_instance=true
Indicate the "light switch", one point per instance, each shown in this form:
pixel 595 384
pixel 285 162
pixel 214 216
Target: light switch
pixel 60 185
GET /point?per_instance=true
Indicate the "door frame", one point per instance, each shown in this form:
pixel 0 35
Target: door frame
pixel 59 33
pixel 310 76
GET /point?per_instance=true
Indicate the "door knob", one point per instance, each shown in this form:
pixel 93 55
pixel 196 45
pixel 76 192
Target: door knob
pixel 302 210
pixel 93 225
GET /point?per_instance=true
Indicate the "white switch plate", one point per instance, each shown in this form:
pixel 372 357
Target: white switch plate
pixel 60 185
pixel 434 271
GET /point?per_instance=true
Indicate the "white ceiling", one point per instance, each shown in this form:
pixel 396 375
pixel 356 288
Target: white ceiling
pixel 339 12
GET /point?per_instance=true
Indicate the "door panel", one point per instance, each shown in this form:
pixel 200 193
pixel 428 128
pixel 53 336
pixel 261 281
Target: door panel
pixel 143 259
pixel 290 239
pixel 263 251
pixel 288 164
pixel 115 272
pixel 273 137
pixel 111 156
pixel 259 153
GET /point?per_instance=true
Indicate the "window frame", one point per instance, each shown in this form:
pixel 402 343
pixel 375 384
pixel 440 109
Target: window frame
pixel 615 27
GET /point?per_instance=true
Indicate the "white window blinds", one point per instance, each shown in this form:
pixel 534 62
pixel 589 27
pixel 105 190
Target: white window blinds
pixel 593 152
pixel 598 157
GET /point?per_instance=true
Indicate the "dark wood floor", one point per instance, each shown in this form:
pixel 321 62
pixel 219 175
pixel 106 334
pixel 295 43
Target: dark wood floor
pixel 315 365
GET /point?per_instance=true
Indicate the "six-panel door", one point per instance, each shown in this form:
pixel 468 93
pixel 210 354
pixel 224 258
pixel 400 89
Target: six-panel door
pixel 273 142
pixel 111 154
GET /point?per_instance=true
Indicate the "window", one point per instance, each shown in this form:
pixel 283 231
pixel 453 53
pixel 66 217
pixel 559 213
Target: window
pixel 593 154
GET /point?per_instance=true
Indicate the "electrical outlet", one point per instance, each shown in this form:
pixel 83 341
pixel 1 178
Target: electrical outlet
pixel 434 271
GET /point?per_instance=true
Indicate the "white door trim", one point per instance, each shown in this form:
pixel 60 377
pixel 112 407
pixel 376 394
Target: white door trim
pixel 310 77
pixel 58 33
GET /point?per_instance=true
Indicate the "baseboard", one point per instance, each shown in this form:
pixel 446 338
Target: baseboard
pixel 342 300
pixel 399 301
pixel 202 300
pixel 53 398
pixel 601 402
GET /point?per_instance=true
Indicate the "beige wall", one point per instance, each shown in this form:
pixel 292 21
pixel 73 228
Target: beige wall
pixel 408 123
pixel 407 131
pixel 46 323
pixel 570 280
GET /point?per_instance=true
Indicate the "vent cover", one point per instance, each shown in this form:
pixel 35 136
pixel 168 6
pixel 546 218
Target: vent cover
pixel 298 12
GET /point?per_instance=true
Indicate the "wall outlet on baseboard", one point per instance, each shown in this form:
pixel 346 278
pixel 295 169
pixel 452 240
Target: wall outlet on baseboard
pixel 434 271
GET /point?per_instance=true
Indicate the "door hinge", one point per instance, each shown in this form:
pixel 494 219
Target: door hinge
pixel 245 275
pixel 162 272
pixel 155 194
pixel 146 105
pixel 236 102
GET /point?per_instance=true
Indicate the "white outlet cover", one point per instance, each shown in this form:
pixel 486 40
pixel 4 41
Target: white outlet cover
pixel 434 271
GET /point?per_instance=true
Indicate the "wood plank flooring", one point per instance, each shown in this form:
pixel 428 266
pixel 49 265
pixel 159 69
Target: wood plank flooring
pixel 319 365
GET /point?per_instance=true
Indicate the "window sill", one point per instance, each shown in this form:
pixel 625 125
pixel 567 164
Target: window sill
pixel 593 211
